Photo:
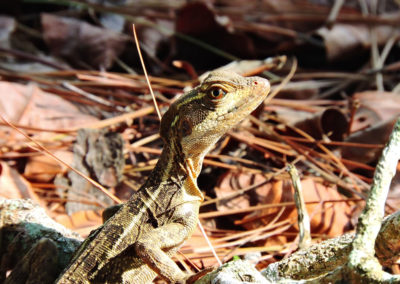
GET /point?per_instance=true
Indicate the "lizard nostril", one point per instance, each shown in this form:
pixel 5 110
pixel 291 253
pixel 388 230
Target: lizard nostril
pixel 255 82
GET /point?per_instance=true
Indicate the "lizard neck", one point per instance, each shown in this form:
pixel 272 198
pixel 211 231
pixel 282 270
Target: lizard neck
pixel 175 173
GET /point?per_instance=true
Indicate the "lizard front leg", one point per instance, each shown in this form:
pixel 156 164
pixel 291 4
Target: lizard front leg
pixel 154 246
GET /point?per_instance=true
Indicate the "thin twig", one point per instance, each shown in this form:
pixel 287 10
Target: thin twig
pixel 209 244
pixel 334 12
pixel 145 71
pixel 302 215
pixel 284 81
pixel 24 55
pixel 91 96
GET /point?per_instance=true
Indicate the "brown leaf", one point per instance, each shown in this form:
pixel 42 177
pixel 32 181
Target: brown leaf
pixel 330 122
pixel 13 185
pixel 30 106
pixel 79 41
pixel 197 20
pixel 330 218
pixel 343 41
pixel 377 134
pixel 43 168
pixel 385 105
pixel 372 124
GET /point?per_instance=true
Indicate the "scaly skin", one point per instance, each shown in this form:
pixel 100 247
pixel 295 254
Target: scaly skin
pixel 137 242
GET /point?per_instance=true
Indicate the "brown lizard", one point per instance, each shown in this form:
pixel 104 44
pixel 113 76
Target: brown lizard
pixel 138 241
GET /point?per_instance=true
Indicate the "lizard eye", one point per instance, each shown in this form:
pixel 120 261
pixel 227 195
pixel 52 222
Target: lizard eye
pixel 216 93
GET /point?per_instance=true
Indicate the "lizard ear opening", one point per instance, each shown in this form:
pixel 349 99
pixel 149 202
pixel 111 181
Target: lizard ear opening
pixel 185 127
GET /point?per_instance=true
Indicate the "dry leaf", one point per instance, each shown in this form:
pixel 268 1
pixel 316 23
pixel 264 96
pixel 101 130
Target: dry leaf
pixel 44 168
pixel 330 122
pixel 79 41
pixel 343 41
pixel 330 218
pixel 377 134
pixel 385 105
pixel 28 105
pixel 373 123
pixel 197 20
pixel 13 185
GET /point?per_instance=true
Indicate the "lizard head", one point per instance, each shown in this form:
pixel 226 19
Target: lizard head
pixel 200 117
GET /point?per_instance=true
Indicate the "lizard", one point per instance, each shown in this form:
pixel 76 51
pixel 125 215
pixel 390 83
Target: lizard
pixel 137 242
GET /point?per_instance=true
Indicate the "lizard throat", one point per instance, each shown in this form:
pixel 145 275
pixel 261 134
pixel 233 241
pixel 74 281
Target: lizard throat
pixel 174 173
